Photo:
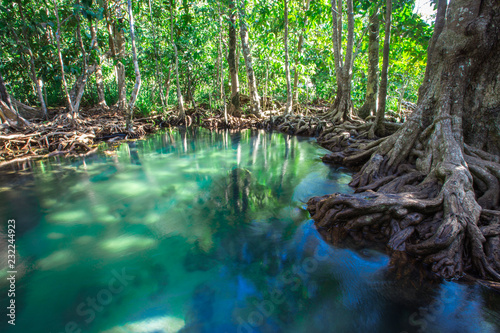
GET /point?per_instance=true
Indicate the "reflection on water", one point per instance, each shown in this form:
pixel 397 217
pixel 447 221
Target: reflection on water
pixel 193 231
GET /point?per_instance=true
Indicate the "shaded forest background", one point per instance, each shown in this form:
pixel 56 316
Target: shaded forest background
pixel 95 39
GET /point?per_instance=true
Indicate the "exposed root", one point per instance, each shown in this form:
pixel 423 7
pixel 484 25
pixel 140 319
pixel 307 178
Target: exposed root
pixel 295 124
pixel 433 216
pixel 243 122
pixel 67 135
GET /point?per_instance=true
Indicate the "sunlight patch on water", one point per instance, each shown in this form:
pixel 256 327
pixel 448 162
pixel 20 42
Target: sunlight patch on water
pixel 187 231
pixel 55 235
pixel 70 217
pixel 127 244
pixel 57 260
pixel 134 188
pixel 151 325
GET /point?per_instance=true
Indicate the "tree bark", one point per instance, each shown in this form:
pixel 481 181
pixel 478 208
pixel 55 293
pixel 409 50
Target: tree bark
pixel 288 108
pixel 137 86
pixel 432 188
pixel 220 77
pixel 157 66
pixel 28 50
pixel 83 79
pixel 222 90
pixel 299 53
pixel 97 64
pixel 7 112
pixel 119 51
pixel 180 102
pixel 370 105
pixel 342 107
pixel 247 55
pixel 382 98
pixel 61 63
pixel 232 59
pixel 167 85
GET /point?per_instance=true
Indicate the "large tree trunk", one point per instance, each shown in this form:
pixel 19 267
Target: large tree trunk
pixel 247 55
pixel 288 108
pixel 432 188
pixel 342 107
pixel 370 105
pixel 382 97
pixel 232 60
pixel 297 59
pixel 180 102
pixel 137 86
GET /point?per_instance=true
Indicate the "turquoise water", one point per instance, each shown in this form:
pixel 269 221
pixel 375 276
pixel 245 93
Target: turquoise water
pixel 201 231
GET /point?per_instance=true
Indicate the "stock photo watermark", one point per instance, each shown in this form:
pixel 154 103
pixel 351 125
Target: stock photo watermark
pixel 92 306
pixel 11 273
pixel 428 314
pixel 291 278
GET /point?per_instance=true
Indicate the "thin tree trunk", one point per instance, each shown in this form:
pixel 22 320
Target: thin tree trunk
pixel 267 85
pixel 370 105
pixel 167 85
pixel 61 63
pixel 180 102
pixel 190 85
pixel 7 112
pixel 157 66
pixel 137 86
pixel 297 59
pixel 222 90
pixel 342 107
pixel 379 121
pixel 81 88
pixel 33 75
pixel 37 84
pixel 119 46
pixel 288 109
pixel 232 60
pixel 401 97
pixel 247 55
pixel 98 73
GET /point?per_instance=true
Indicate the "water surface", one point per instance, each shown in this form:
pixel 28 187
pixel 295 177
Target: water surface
pixel 197 231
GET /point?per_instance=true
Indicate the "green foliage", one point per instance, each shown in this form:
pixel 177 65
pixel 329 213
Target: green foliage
pixel 196 34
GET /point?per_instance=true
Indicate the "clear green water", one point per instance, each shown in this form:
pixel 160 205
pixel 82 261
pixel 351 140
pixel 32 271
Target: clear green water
pixel 205 232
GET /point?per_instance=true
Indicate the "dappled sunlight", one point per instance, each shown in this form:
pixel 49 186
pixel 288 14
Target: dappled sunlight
pixel 199 239
pixel 126 244
pixel 70 217
pixel 57 260
pixel 151 325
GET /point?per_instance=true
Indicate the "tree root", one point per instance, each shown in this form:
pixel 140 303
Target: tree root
pixel 65 135
pixel 432 215
pixel 418 227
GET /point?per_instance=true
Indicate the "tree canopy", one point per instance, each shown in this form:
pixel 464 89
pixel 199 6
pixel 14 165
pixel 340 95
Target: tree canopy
pixel 98 32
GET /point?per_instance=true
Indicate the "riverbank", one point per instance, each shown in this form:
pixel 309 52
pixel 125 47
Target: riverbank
pixel 61 135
